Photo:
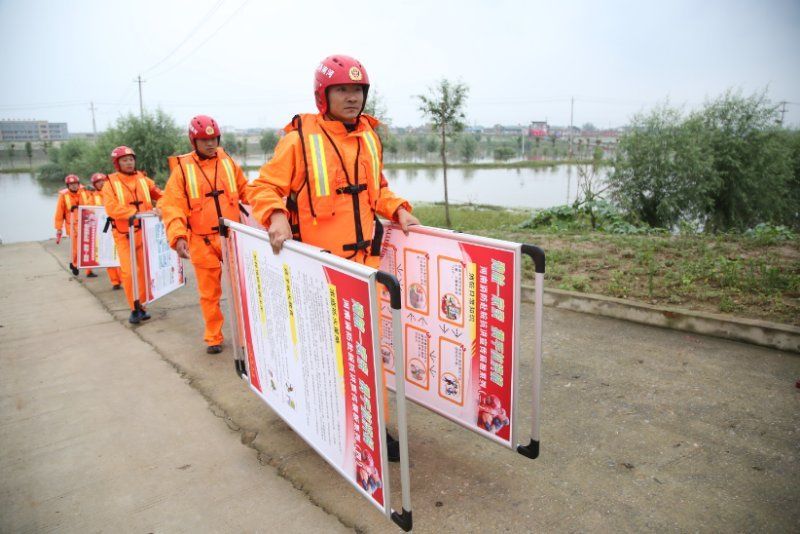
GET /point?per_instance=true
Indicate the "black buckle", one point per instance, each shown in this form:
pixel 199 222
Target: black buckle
pixel 352 189
pixel 215 193
pixel 361 245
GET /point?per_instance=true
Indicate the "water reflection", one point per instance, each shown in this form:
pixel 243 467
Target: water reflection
pixel 27 206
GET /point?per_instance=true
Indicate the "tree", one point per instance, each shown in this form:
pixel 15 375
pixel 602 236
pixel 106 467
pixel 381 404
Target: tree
pixel 29 152
pixel 10 152
pixel 503 153
pixel 752 162
pixel 443 107
pixel 660 169
pixel 411 144
pixel 268 142
pixel 431 144
pixel 590 185
pixel 153 137
pixel 468 147
pixel 230 143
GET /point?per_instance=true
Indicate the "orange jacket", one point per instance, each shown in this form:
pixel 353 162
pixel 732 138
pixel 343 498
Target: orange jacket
pixel 66 203
pixel 187 203
pixel 314 165
pixel 125 195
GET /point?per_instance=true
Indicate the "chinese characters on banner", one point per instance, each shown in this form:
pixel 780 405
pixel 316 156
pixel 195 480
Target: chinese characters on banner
pixel 310 351
pixel 163 269
pixel 459 325
pixel 96 249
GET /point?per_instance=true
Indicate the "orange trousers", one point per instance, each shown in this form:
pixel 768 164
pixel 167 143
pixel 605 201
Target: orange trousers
pixel 124 252
pixel 114 275
pixel 206 258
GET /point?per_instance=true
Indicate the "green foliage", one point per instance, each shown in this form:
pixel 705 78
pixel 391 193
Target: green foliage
pixel 231 144
pixel 29 150
pixel 268 142
pixel 728 166
pixel 153 137
pixel 578 218
pixel 467 147
pixel 410 143
pixel 431 144
pixel 503 153
pixel 767 234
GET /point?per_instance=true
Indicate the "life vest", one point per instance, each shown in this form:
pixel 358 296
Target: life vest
pixel 210 195
pixel 137 196
pixel 335 207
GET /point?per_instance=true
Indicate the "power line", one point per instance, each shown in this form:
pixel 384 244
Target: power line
pixel 196 48
pixel 189 35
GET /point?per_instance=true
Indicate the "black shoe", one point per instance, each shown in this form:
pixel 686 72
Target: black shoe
pixel 74 269
pixel 143 315
pixel 134 318
pixel 116 287
pixel 214 349
pixel 91 275
pixel 392 448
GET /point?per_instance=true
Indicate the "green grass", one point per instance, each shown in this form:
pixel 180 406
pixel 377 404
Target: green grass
pixel 745 275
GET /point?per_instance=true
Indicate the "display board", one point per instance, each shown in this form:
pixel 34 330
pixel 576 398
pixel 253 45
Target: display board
pixel 96 248
pixel 163 268
pixel 309 333
pixel 460 321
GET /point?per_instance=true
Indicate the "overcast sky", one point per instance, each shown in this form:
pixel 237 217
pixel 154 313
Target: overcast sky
pixel 250 63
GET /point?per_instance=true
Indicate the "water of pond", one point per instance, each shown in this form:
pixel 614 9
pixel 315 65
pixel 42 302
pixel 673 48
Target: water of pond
pixel 27 205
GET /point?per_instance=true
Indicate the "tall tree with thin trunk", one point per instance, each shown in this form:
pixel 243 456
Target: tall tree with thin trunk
pixel 444 108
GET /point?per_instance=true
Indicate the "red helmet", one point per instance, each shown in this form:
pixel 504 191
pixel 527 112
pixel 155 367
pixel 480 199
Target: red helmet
pixel 72 179
pixel 203 127
pixel 119 152
pixel 337 70
pixel 96 177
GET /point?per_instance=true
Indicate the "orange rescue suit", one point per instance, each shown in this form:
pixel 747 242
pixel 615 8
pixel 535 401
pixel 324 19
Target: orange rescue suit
pixel 67 215
pixel 189 211
pixel 333 181
pixel 113 272
pixel 334 185
pixel 124 196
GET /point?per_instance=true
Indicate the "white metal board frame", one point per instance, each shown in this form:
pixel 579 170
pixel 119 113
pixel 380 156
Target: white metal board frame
pixel 146 219
pixel 94 243
pixel 418 316
pixel 233 288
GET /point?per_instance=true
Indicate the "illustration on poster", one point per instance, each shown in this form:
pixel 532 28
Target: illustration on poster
pixel 451 307
pixel 452 384
pixel 387 355
pixel 416 297
pixel 491 415
pixel 163 252
pixel 368 476
pixel 417 369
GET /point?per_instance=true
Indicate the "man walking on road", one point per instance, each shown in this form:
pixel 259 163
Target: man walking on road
pixel 204 186
pixel 69 199
pixel 129 192
pixel 98 181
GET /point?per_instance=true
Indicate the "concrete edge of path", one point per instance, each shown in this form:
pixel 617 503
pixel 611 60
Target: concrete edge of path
pixel 756 332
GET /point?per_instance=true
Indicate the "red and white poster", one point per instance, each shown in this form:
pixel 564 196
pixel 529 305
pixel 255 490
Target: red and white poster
pixel 163 268
pixel 461 297
pixel 310 344
pixel 96 249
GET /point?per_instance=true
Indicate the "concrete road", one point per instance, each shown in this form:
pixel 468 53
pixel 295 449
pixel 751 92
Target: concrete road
pixel 98 433
pixel 643 429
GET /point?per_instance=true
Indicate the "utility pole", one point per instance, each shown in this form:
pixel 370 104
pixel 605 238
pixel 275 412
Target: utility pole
pixel 571 113
pixel 141 105
pixel 94 124
pixel 783 111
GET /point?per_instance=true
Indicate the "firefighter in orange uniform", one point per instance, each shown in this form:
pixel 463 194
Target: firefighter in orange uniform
pixel 129 192
pixel 67 216
pixel 329 167
pixel 204 185
pixel 98 181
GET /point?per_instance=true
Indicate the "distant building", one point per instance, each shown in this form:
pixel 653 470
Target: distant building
pixel 13 130
pixel 538 129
